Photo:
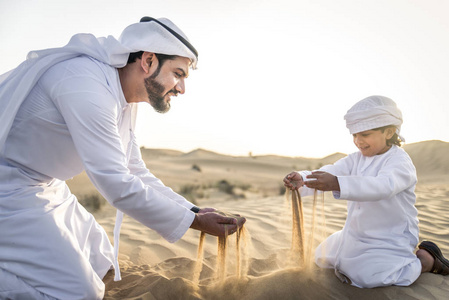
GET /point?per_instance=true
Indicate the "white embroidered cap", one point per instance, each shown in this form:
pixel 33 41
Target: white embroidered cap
pixel 373 112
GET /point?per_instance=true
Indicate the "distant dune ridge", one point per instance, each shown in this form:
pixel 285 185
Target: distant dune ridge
pixel 155 269
pixel 431 159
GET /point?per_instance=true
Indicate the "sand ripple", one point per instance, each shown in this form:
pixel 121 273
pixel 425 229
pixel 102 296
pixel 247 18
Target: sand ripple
pixel 155 269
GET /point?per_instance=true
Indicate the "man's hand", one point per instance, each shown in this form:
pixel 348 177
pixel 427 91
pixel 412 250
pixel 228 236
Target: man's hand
pixel 293 181
pixel 206 209
pixel 324 181
pixel 216 224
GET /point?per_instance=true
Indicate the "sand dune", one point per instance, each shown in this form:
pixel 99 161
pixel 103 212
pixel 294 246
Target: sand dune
pixel 155 269
pixel 431 160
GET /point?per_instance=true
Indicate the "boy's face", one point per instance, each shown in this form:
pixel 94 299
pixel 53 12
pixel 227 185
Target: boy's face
pixel 373 142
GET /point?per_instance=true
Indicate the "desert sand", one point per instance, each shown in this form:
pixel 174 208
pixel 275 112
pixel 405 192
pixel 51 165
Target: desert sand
pixel 251 186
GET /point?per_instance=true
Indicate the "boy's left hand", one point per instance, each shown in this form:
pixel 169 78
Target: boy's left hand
pixel 323 181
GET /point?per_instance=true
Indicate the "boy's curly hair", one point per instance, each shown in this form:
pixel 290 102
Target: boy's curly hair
pixel 394 140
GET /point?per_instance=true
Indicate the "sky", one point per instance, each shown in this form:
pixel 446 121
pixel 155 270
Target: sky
pixel 274 77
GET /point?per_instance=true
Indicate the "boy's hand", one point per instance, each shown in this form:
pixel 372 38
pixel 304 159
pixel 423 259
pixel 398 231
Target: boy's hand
pixel 324 181
pixel 293 181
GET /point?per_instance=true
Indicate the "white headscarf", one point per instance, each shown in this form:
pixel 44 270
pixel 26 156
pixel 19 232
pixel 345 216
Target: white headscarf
pixel 16 84
pixel 373 112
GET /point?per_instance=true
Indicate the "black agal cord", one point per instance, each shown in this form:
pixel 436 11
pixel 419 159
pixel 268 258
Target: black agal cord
pixel 178 36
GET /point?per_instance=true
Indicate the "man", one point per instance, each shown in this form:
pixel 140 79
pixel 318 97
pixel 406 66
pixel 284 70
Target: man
pixel 70 109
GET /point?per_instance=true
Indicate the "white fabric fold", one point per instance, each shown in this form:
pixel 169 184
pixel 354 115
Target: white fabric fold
pixel 117 226
pixel 150 35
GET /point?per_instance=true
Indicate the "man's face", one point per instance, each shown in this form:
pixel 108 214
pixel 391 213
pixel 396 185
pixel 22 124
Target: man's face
pixel 167 81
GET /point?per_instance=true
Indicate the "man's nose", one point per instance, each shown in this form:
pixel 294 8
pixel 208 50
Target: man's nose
pixel 180 86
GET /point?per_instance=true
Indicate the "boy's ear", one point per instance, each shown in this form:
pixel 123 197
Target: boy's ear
pixel 390 132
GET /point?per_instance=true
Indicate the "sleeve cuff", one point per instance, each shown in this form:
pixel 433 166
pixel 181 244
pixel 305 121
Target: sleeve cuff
pixel 182 228
pixel 343 183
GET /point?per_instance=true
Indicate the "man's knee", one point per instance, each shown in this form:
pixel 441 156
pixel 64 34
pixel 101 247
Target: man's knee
pixel 92 291
pixel 82 288
pixel 14 287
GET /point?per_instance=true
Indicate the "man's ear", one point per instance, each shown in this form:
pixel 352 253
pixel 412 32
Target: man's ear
pixel 149 62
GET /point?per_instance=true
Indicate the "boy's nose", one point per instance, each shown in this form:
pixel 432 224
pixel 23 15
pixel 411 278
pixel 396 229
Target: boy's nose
pixel 358 141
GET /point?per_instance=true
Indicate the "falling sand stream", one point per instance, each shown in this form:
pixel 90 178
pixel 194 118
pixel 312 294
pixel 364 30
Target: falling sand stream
pixel 301 252
pixel 241 237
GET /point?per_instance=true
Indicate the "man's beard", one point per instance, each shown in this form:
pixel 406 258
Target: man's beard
pixel 156 95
